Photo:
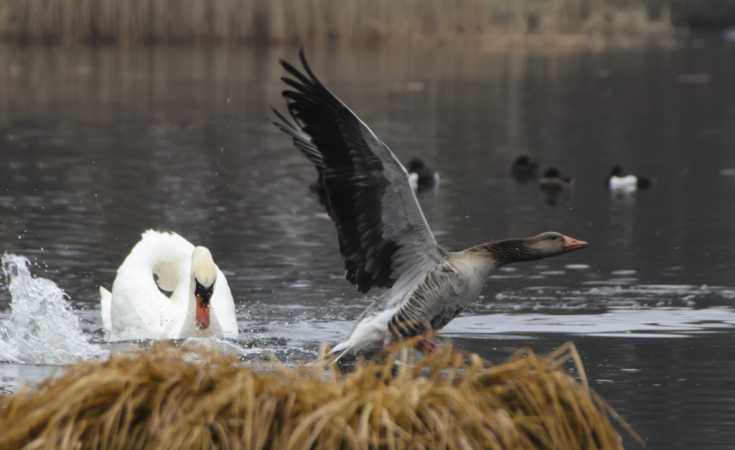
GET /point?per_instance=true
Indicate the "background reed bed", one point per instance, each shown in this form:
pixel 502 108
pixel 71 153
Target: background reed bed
pixel 169 398
pixel 130 22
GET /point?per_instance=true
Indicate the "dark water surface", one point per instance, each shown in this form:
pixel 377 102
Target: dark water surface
pixel 100 144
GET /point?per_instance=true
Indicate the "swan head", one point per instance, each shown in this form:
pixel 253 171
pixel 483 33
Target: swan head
pixel 204 272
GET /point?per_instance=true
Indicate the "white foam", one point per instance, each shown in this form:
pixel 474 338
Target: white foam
pixel 41 328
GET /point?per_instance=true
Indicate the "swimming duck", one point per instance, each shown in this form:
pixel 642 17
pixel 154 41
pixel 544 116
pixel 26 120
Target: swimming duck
pixel 553 181
pixel 383 235
pixel 167 288
pixel 421 176
pixel 524 168
pixel 618 180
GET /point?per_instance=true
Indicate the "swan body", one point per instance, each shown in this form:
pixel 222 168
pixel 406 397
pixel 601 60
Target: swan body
pixel 167 288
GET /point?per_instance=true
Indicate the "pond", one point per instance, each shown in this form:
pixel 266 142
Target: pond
pixel 100 144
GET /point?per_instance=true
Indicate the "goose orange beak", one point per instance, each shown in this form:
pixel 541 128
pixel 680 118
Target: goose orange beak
pixel 202 316
pixel 573 244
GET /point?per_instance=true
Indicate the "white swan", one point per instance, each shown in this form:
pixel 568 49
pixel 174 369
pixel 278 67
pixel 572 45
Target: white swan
pixel 199 304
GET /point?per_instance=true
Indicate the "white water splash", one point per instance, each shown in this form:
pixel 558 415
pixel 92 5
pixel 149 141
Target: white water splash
pixel 41 329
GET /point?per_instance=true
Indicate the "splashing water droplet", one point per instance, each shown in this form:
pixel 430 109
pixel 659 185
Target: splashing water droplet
pixel 42 327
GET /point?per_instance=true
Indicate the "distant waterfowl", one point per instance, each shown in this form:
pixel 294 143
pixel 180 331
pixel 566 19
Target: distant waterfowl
pixel 524 168
pixel 382 232
pixel 553 181
pixel 421 176
pixel 618 180
pixel 168 289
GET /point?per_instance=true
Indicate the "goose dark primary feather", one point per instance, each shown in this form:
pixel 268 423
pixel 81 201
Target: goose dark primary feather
pixel 383 235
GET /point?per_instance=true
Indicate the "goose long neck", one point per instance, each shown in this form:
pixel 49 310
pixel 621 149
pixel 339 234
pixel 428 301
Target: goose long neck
pixel 506 251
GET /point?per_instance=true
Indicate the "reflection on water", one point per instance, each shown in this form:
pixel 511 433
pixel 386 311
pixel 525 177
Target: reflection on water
pixel 101 144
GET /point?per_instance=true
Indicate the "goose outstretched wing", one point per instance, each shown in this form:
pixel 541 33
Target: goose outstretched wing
pixel 382 231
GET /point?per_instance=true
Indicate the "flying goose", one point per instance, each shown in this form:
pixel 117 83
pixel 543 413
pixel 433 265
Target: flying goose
pixel 382 232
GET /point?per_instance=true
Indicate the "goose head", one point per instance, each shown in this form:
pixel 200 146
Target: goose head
pixel 551 243
pixel 204 273
pixel 543 245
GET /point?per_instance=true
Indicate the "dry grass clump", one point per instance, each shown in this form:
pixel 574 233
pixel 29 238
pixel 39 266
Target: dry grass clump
pixel 169 399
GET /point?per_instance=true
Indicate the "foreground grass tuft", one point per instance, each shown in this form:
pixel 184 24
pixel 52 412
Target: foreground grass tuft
pixel 169 398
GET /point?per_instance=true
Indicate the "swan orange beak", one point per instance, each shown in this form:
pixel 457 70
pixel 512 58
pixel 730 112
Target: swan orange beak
pixel 573 244
pixel 202 316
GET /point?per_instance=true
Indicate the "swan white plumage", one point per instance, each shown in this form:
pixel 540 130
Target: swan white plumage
pixel 200 302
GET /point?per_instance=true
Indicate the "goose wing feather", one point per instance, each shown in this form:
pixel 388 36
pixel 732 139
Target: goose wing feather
pixel 382 231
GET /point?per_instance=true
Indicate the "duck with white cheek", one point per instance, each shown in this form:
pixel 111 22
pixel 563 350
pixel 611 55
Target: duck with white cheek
pixel 619 181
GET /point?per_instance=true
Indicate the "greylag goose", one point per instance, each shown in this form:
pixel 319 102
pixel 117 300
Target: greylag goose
pixel 618 180
pixel 382 232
